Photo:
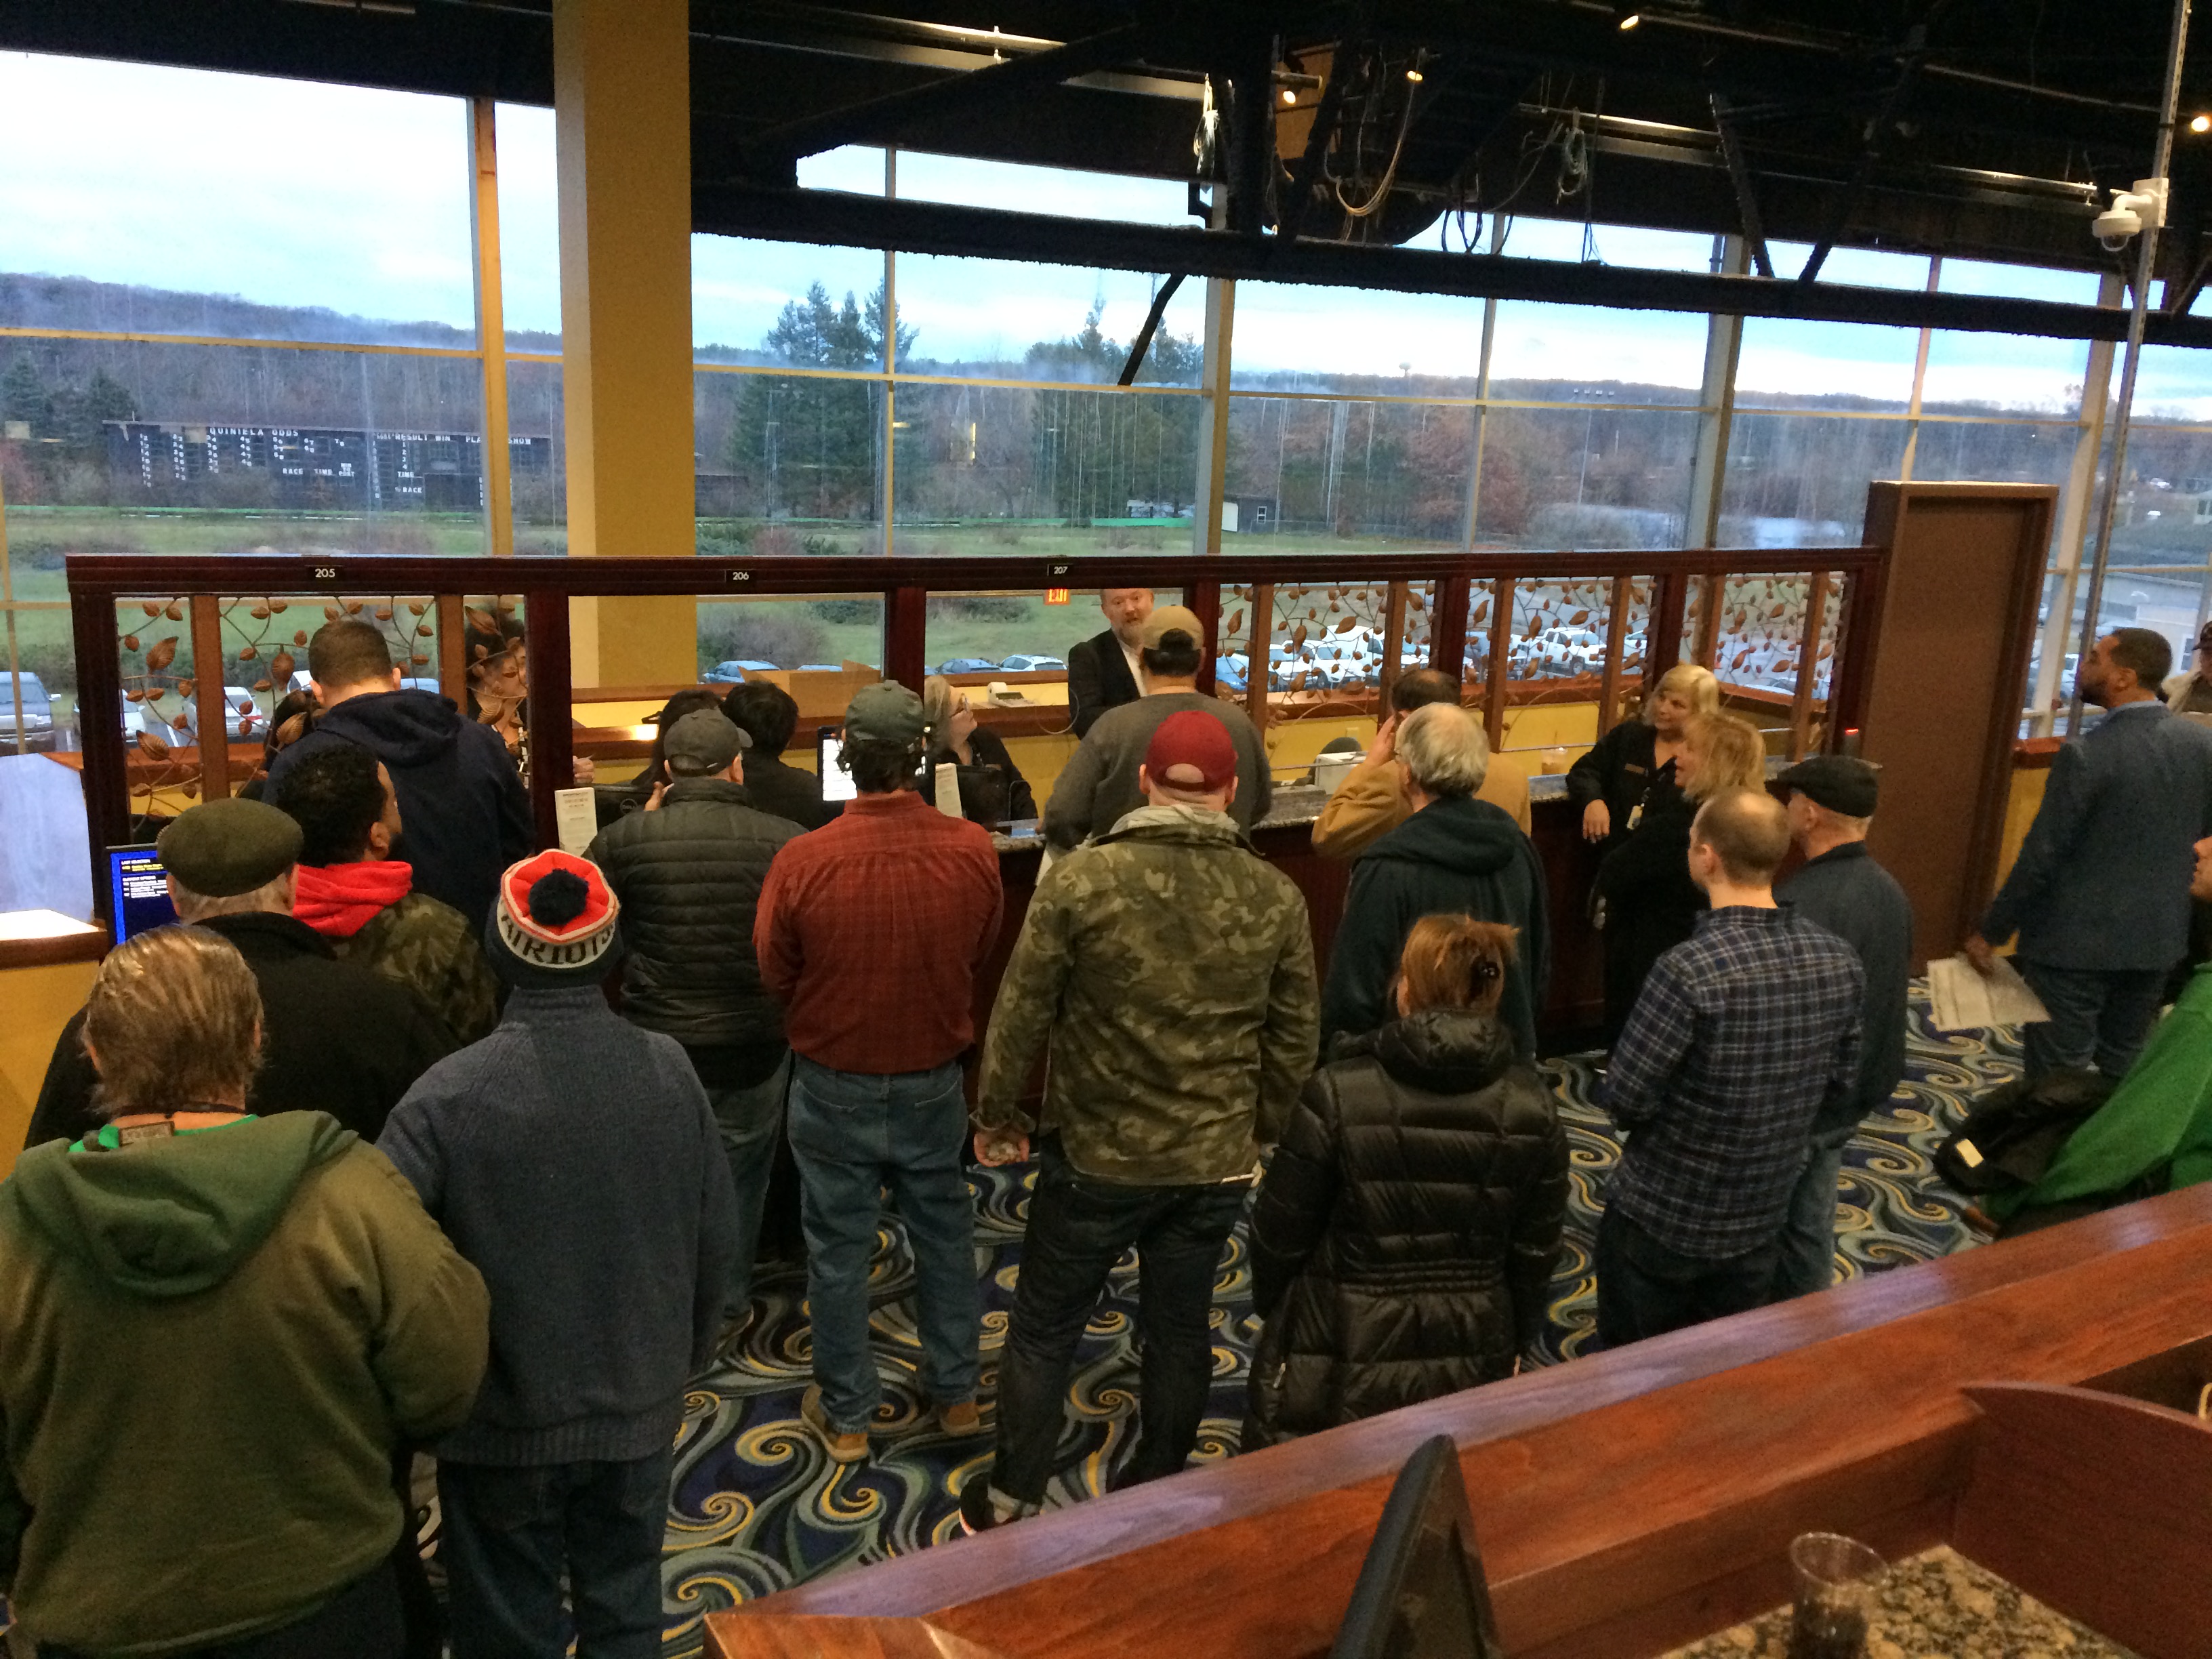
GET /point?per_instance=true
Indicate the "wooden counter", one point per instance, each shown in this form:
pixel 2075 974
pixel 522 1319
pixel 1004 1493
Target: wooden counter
pixel 1630 1502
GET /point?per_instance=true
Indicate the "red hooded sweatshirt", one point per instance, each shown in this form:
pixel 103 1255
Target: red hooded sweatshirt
pixel 338 900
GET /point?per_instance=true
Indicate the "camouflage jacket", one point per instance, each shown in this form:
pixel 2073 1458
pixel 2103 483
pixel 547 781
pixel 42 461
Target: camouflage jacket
pixel 1172 970
pixel 427 945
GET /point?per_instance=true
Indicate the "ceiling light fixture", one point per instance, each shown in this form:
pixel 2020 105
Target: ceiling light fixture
pixel 2200 124
pixel 1290 96
pixel 1630 20
pixel 1414 75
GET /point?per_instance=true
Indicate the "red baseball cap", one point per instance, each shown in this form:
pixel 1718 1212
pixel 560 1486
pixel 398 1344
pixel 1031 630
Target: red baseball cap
pixel 1191 750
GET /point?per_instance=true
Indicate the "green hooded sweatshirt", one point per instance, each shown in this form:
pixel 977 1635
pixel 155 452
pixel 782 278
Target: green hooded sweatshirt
pixel 210 1346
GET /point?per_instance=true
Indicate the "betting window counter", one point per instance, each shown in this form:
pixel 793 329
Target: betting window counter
pixel 2029 1403
pixel 1575 1003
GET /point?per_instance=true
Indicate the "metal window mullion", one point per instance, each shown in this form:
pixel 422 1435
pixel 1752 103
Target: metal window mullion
pixel 1701 512
pixel 491 325
pixel 7 608
pixel 1482 402
pixel 1216 369
pixel 1919 382
pixel 2073 512
pixel 888 423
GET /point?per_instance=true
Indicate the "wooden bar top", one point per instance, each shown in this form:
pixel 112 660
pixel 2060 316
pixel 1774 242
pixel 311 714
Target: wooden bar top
pixel 1625 1502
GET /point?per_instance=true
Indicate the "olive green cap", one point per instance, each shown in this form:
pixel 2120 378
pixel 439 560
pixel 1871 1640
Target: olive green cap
pixel 224 847
pixel 885 712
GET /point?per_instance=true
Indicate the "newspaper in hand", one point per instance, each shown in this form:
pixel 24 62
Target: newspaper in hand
pixel 1965 1000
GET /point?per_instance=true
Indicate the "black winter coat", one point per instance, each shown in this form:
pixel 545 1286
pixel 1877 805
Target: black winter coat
pixel 689 877
pixel 786 792
pixel 464 814
pixel 1403 1240
pixel 1460 857
pixel 335 1038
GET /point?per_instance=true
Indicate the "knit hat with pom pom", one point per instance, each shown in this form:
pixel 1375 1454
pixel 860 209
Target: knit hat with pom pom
pixel 556 923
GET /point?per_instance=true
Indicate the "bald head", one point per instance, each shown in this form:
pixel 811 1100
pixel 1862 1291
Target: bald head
pixel 1746 832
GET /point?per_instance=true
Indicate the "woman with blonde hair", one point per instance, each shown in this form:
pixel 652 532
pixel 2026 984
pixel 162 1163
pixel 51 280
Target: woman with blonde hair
pixel 1643 899
pixel 979 752
pixel 1632 768
pixel 1403 1240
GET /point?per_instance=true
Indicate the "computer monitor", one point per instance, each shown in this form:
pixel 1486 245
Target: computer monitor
pixel 1421 1593
pixel 137 892
pixel 837 783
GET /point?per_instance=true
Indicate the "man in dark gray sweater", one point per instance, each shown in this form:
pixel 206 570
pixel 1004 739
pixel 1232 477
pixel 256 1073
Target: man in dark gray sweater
pixel 572 1157
pixel 1099 783
pixel 1840 887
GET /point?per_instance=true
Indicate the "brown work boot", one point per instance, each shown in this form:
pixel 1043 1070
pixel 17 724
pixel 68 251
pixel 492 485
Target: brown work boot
pixel 843 1447
pixel 962 1418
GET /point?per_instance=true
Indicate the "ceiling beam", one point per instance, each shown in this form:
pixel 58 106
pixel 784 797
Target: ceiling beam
pixel 836 219
pixel 879 120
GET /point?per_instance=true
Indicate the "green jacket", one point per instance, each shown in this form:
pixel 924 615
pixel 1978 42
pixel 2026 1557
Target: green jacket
pixel 1172 969
pixel 210 1347
pixel 427 945
pixel 2160 1116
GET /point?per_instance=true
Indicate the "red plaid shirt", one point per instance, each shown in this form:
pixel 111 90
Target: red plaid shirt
pixel 870 931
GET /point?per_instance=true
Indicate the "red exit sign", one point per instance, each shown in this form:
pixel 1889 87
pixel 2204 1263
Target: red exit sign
pixel 1055 596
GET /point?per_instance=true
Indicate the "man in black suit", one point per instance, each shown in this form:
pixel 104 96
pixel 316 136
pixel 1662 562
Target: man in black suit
pixel 1102 671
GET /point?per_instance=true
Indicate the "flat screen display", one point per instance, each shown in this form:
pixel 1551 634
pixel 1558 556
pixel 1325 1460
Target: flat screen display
pixel 137 891
pixel 828 748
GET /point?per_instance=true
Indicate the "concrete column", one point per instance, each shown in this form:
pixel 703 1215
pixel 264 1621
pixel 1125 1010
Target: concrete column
pixel 622 109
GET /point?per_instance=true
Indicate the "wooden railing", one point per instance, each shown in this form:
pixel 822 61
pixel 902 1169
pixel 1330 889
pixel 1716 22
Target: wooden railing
pixel 194 594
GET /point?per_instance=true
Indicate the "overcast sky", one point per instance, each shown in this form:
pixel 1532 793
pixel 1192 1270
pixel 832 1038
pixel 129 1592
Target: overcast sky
pixel 296 193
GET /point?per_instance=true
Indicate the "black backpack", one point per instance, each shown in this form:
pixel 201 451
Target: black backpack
pixel 2010 1136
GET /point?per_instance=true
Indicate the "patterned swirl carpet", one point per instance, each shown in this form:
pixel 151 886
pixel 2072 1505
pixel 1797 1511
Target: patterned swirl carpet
pixel 758 1507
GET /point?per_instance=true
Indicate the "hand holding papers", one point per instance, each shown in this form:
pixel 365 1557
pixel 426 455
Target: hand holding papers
pixel 1965 1000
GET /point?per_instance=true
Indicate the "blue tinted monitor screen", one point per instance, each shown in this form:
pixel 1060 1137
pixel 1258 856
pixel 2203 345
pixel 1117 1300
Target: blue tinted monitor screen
pixel 137 891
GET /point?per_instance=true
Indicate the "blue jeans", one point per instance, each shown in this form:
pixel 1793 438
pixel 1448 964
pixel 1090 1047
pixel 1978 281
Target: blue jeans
pixel 1647 1288
pixel 2100 1016
pixel 853 1135
pixel 510 1532
pixel 1807 1261
pixel 1078 1229
pixel 750 1117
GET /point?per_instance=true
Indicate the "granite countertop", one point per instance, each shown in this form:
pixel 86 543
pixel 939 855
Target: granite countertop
pixel 1935 1606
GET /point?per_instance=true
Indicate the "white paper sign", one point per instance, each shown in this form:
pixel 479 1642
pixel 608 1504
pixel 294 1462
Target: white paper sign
pixel 1966 1001
pixel 575 819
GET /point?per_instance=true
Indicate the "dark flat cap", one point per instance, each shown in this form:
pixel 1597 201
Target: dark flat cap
pixel 224 847
pixel 1839 783
pixel 704 741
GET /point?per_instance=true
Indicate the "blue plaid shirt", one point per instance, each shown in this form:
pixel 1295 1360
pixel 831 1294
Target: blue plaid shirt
pixel 1742 1034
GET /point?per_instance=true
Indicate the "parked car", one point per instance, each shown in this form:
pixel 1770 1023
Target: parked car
pixel 36 728
pixel 1023 662
pixel 964 665
pixel 729 673
pixel 175 718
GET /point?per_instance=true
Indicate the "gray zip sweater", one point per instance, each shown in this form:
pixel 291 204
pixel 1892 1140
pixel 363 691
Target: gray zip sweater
pixel 572 1157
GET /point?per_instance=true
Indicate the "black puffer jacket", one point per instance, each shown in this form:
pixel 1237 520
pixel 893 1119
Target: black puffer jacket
pixel 689 877
pixel 1403 1241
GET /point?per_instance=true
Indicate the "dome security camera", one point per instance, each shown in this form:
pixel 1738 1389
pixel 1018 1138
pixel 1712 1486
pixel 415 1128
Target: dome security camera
pixel 2132 212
